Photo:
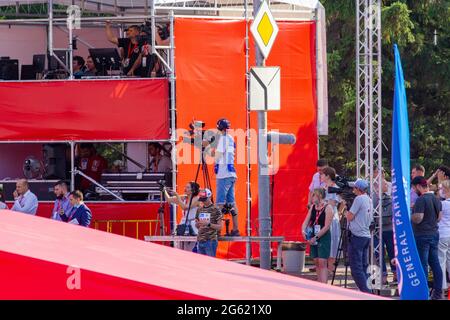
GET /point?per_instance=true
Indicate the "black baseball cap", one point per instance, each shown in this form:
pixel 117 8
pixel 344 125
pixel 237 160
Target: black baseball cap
pixel 419 181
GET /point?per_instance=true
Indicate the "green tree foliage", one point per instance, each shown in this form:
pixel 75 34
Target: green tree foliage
pixel 426 64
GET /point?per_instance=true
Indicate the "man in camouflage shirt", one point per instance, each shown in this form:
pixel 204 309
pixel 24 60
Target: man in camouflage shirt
pixel 208 220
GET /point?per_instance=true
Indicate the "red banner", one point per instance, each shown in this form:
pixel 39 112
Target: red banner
pixel 84 110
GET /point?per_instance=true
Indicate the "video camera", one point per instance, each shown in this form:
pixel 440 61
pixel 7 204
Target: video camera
pixel 146 27
pixel 344 189
pixel 163 31
pixel 197 135
pixel 161 185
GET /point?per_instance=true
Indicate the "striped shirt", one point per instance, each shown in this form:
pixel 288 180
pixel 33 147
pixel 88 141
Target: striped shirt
pixel 209 214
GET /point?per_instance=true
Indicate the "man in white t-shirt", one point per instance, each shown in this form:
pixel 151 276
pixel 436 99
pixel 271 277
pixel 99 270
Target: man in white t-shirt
pixel 226 172
pixel 315 182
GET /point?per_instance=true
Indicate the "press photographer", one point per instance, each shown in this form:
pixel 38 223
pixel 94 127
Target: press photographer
pixel 189 203
pixel 149 62
pixel 328 177
pixel 208 220
pixel 360 217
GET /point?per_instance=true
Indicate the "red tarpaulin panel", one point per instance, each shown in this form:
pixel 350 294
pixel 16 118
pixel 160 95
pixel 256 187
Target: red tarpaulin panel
pixel 294 51
pixel 84 110
pixel 211 84
pixel 47 259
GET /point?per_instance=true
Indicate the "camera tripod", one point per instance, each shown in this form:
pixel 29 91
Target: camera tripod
pixel 206 178
pixel 161 209
pixel 342 251
pixel 206 183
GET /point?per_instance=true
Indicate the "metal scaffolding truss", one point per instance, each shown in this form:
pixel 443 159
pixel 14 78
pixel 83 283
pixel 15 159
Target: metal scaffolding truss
pixel 369 116
pixel 39 8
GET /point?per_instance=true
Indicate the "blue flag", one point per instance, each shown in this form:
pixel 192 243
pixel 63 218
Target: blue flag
pixel 412 282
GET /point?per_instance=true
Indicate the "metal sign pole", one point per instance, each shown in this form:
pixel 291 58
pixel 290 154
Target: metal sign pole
pixel 263 177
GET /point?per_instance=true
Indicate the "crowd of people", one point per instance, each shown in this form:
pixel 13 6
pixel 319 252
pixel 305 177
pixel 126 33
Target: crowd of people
pixel 135 49
pixel 137 59
pixel 201 217
pixel 69 206
pixel 430 217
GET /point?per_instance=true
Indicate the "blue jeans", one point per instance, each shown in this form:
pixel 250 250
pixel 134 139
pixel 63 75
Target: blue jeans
pixel 358 249
pixel 427 246
pixel 225 190
pixel 208 247
pixel 388 244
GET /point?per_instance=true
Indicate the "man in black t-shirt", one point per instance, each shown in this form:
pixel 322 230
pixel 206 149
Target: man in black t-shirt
pixel 148 60
pixel 425 218
pixel 131 57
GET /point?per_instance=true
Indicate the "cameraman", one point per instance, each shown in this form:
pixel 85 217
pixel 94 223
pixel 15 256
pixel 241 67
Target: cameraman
pixel 130 47
pixel 387 240
pixel 226 172
pixel 328 179
pixel 208 220
pixel 360 217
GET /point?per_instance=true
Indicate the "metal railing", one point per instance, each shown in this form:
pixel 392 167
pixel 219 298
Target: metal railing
pixel 110 223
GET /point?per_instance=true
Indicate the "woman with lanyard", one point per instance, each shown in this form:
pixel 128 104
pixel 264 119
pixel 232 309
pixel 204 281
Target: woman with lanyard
pixel 328 176
pixel 189 204
pixel 316 229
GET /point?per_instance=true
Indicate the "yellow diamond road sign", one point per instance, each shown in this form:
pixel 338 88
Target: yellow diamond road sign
pixel 264 29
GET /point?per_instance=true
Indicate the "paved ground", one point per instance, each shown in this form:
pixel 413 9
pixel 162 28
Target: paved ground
pixel 340 280
pixel 389 290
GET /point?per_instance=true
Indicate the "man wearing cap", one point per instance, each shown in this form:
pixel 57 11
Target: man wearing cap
pixel 226 172
pixel 425 217
pixel 360 217
pixel 130 48
pixel 208 221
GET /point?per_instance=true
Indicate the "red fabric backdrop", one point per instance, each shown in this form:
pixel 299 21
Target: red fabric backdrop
pixel 211 85
pixel 84 110
pixel 294 51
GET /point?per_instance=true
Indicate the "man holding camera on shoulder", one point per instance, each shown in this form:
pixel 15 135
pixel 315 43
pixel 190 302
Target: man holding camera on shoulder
pixel 226 173
pixel 208 221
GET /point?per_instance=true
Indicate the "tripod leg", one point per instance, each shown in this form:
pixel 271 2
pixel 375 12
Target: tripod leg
pixel 338 257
